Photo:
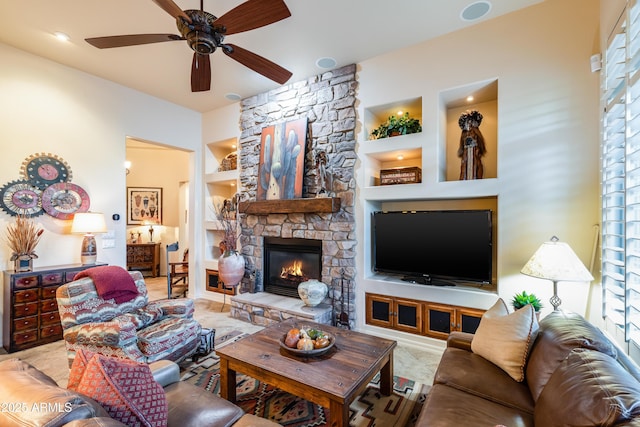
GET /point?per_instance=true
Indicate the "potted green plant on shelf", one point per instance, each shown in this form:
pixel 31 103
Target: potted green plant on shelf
pixel 523 298
pixel 397 125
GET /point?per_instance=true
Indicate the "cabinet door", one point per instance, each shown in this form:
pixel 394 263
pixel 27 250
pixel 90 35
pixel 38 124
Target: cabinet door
pixel 468 319
pixel 439 320
pixel 408 316
pixel 379 311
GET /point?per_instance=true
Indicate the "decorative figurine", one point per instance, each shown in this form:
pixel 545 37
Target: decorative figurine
pixel 472 146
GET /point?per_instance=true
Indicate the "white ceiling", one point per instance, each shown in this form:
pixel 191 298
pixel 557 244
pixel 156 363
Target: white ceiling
pixel 348 30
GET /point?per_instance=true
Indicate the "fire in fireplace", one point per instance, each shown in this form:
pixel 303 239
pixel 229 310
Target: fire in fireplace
pixel 288 262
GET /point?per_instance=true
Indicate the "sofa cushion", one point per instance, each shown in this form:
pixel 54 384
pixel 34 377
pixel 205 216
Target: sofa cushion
pixel 193 406
pixel 32 398
pixel 80 362
pixel 96 422
pixel 143 317
pixel 126 389
pixel 447 406
pixel 505 339
pixel 560 332
pixel 167 336
pixel 588 388
pixel 474 374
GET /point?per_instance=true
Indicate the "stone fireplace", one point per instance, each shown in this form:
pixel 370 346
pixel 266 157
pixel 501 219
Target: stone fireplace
pixel 328 102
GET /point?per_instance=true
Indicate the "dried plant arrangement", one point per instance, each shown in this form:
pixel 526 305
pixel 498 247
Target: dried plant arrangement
pixel 23 236
pixel 227 215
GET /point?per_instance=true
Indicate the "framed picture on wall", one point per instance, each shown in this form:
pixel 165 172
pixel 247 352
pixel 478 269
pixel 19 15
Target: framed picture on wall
pixel 281 167
pixel 144 205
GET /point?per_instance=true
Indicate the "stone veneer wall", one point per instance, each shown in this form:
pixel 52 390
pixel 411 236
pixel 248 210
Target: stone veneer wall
pixel 328 101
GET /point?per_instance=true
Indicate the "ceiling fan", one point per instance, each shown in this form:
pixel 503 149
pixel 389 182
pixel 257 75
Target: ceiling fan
pixel 205 33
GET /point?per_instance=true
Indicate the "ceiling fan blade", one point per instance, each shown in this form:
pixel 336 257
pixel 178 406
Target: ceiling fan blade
pixel 253 14
pixel 200 73
pixel 172 9
pixel 257 63
pixel 130 40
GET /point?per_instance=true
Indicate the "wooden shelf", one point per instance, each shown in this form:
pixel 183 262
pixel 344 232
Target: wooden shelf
pixel 266 207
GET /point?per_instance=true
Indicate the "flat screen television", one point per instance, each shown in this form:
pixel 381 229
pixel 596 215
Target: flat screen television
pixel 438 247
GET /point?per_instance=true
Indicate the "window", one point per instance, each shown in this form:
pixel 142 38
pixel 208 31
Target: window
pixel 621 177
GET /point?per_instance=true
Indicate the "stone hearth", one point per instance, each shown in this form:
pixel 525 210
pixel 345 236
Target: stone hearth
pixel 263 309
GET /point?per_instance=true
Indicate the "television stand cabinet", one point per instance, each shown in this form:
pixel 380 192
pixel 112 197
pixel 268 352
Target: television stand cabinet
pixel 434 320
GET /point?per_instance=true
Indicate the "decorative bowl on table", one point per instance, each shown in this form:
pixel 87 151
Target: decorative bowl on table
pixel 316 351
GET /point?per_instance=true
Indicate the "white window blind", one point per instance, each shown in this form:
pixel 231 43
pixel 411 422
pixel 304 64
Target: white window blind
pixel 621 176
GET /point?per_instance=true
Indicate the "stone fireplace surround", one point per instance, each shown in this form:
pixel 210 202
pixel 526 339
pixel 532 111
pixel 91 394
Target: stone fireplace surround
pixel 328 101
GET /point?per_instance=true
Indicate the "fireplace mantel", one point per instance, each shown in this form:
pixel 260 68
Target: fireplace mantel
pixel 309 205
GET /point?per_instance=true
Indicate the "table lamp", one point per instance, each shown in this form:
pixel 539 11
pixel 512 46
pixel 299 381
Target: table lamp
pixel 151 224
pixel 89 223
pixel 556 261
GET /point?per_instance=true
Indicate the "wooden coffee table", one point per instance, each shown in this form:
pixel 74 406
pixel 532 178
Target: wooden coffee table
pixel 331 380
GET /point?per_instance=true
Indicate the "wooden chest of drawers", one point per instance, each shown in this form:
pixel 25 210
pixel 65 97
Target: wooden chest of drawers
pixel 30 311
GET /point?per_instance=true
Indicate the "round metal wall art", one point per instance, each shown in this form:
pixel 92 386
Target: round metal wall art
pixel 19 197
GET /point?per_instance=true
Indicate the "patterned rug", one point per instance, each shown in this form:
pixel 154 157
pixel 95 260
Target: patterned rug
pixel 370 409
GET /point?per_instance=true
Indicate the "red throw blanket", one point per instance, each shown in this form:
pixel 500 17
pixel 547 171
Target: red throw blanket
pixel 111 281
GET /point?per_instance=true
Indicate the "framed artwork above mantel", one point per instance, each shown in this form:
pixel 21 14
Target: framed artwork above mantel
pixel 144 205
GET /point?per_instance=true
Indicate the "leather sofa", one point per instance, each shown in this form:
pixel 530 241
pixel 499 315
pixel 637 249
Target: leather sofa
pixel 28 397
pixel 574 376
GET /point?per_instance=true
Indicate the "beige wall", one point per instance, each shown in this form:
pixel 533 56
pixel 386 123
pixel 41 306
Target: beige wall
pixel 46 107
pixel 547 143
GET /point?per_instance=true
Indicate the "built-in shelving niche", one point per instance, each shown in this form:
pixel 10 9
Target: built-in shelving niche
pixel 454 102
pixel 394 152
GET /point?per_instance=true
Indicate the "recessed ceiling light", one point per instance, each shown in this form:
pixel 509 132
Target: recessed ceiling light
pixel 61 36
pixel 475 11
pixel 400 112
pixel 469 98
pixel 233 97
pixel 326 62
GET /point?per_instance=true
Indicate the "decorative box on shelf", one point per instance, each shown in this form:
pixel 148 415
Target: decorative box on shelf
pixel 411 175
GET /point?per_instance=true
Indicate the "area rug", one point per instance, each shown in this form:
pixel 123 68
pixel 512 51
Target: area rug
pixel 370 409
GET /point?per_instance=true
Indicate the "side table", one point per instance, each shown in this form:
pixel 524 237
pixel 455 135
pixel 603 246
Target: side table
pixel 144 256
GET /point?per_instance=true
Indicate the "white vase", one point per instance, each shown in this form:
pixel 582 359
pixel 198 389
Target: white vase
pixel 312 292
pixel 231 268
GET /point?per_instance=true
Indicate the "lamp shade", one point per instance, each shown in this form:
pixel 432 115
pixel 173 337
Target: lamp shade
pixel 88 222
pixel 555 260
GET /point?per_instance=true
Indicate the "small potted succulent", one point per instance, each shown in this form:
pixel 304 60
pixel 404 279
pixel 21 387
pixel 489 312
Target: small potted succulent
pixel 397 125
pixel 522 299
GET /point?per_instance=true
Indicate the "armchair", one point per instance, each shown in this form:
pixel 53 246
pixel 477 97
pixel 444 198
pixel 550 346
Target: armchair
pixel 139 329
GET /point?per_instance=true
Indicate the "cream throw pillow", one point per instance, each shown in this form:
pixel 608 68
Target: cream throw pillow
pixel 505 339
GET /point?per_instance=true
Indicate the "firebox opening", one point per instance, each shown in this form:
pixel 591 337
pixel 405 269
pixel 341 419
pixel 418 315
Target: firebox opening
pixel 288 262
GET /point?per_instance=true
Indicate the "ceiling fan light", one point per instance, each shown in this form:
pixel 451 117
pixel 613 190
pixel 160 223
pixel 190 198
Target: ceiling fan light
pixel 61 36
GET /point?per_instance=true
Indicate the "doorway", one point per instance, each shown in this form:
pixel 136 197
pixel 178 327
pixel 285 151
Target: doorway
pixel 165 170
